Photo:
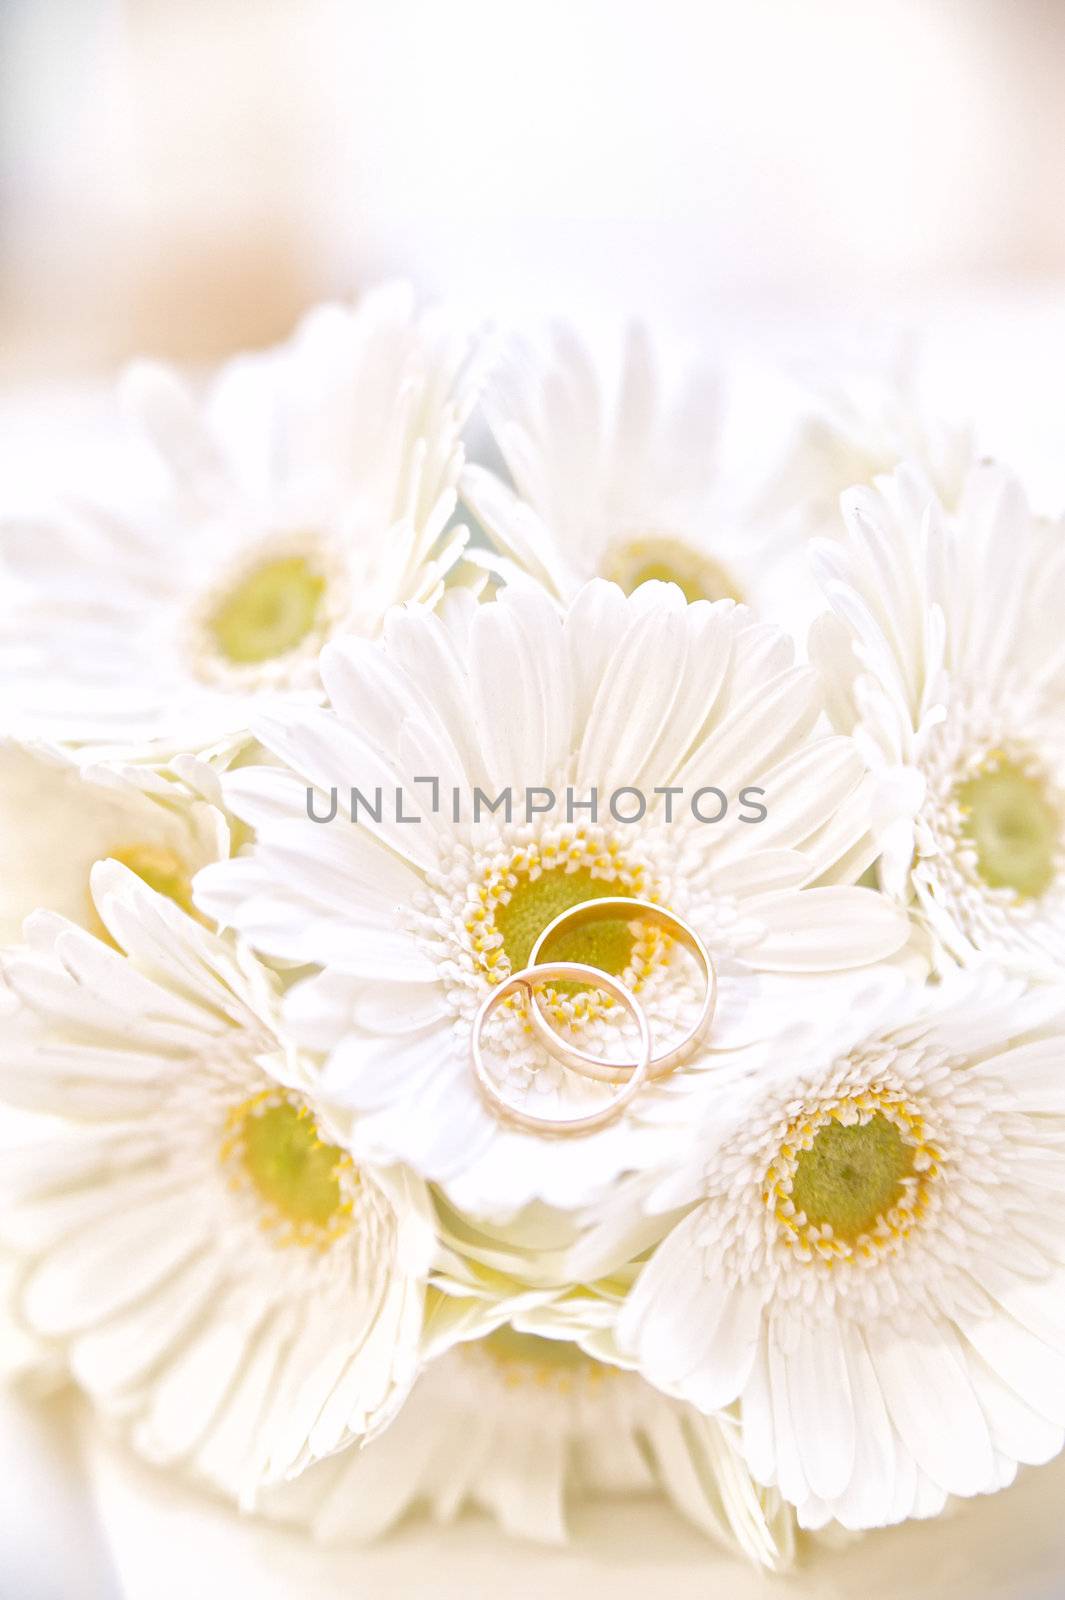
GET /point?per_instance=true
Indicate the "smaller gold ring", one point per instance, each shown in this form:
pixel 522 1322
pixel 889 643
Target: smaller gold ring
pixel 633 910
pixel 574 972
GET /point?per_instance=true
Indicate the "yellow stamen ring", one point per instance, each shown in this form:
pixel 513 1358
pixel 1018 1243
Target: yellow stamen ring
pixel 531 886
pixel 810 1240
pixel 304 1187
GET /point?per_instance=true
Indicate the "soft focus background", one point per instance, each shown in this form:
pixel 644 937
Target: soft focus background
pixel 771 179
pixel 183 176
pixel 186 174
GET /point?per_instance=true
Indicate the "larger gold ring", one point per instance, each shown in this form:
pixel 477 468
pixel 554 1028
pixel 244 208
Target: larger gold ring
pixel 635 1072
pixel 632 910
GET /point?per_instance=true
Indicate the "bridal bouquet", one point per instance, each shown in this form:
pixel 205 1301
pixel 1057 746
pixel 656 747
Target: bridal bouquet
pixel 534 977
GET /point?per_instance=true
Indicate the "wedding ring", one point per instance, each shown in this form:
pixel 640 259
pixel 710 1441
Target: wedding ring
pixel 635 1073
pixel 631 910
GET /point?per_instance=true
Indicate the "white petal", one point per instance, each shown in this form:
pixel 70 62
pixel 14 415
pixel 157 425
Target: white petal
pixel 790 1476
pixel 1034 1371
pixel 117 1354
pixel 378 1483
pixel 99 1271
pixel 830 929
pixel 930 1399
pixel 868 1499
pixel 822 1411
pixel 1017 1431
pixel 194 1384
pixel 759 1443
pixel 731 1344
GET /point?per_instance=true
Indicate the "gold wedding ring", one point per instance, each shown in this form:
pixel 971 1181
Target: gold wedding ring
pixel 635 1073
pixel 632 1074
pixel 632 910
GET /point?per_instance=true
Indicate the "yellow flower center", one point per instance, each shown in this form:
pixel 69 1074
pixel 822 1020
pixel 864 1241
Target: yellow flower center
pixel 852 1178
pixel 161 869
pixel 527 1358
pixel 269 611
pixel 643 560
pixel 537 883
pixel 272 1146
pixel 1014 827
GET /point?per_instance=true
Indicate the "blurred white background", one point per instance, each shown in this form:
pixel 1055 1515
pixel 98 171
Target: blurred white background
pixel 769 179
pixel 186 174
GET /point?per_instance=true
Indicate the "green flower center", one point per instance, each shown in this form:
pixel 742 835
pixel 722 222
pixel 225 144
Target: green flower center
pixel 508 1344
pixel 539 880
pixel 296 1175
pixel 526 1358
pixel 1014 827
pixel 535 902
pixel 852 1174
pixel 645 560
pixel 269 611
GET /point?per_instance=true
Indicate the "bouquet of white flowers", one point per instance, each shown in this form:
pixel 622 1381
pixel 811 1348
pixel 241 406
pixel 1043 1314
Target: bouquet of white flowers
pixel 505 1011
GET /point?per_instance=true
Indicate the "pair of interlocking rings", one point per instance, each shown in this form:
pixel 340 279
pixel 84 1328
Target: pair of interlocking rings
pixel 633 1074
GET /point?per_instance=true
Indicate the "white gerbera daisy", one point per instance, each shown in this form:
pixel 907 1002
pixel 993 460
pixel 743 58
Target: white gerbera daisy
pixel 306 497
pixel 855 431
pixel 58 819
pixel 413 925
pixel 873 1266
pixel 217 1271
pixel 523 1426
pixel 945 658
pixel 618 486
